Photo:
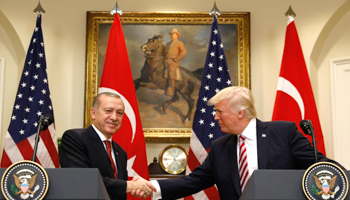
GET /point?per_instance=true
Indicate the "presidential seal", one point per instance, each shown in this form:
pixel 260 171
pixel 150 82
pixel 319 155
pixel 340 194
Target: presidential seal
pixel 24 180
pixel 325 180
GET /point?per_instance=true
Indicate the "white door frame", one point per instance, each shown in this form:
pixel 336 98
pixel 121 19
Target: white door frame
pixel 340 101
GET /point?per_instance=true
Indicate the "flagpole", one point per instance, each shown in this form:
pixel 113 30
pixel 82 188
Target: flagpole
pixel 38 10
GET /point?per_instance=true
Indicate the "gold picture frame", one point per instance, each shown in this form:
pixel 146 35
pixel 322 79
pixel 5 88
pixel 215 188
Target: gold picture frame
pixel 234 29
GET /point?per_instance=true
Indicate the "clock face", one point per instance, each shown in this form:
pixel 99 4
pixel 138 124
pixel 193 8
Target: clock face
pixel 173 159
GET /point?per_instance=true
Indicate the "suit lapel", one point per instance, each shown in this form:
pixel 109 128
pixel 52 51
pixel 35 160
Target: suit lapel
pixel 232 152
pixel 120 164
pixel 263 138
pixel 96 143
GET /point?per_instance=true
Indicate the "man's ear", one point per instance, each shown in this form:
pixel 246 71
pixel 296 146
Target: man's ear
pixel 93 113
pixel 241 114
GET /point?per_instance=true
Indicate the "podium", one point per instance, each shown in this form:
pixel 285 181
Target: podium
pixel 277 184
pixel 74 184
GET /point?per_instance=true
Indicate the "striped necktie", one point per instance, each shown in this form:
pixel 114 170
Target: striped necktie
pixel 243 163
pixel 109 151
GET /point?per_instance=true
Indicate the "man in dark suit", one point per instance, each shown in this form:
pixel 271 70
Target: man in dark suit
pixel 268 145
pixel 94 148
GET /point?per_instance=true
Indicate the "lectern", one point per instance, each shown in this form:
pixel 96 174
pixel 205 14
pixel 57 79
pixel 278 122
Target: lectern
pixel 276 184
pixel 74 184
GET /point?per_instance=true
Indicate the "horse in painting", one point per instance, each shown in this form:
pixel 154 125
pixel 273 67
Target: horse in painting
pixel 153 71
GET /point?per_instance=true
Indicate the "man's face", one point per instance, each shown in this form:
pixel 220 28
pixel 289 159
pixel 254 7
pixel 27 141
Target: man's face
pixel 174 36
pixel 229 121
pixel 109 115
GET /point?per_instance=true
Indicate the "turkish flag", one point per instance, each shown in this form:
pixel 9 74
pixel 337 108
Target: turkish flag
pixel 295 100
pixel 117 78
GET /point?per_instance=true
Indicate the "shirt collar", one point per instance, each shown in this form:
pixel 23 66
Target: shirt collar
pixel 250 131
pixel 102 137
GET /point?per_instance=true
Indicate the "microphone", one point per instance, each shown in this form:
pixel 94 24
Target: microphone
pixel 308 129
pixel 304 125
pixel 44 123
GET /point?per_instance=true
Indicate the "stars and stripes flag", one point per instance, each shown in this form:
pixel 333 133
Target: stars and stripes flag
pixel 295 100
pixel 32 101
pixel 205 129
pixel 117 78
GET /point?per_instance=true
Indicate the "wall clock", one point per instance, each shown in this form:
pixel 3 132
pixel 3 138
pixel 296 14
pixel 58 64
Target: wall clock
pixel 173 159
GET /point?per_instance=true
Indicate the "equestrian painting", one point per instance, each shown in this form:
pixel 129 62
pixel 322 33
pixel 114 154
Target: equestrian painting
pixel 147 51
pixel 153 76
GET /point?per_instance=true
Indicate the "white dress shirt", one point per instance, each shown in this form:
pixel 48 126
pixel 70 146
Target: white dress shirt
pixel 251 146
pixel 103 138
pixel 156 195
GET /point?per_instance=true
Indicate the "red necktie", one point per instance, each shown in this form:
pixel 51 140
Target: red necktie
pixel 243 163
pixel 109 151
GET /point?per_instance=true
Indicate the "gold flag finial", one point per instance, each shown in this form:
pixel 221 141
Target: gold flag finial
pixel 39 9
pixel 290 12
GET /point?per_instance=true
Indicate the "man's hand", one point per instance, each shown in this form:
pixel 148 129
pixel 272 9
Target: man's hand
pixel 140 188
pixel 140 194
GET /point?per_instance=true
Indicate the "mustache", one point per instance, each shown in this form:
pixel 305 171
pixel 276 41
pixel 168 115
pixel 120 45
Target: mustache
pixel 112 122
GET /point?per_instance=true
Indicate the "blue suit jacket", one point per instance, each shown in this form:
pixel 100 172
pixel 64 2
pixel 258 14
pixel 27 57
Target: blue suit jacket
pixel 83 148
pixel 282 147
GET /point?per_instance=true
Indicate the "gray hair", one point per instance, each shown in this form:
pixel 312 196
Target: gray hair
pixel 239 98
pixel 97 102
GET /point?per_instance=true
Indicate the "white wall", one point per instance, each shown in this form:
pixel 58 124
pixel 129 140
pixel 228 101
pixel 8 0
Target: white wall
pixel 2 76
pixel 64 29
pixel 335 47
pixel 9 89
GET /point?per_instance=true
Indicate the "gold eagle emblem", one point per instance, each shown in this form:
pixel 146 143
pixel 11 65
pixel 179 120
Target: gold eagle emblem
pixel 20 182
pixel 321 183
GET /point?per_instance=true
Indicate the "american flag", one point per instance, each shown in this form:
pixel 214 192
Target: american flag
pixel 205 129
pixel 32 101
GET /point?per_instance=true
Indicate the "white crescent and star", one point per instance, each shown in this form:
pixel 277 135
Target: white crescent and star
pixel 131 171
pixel 287 87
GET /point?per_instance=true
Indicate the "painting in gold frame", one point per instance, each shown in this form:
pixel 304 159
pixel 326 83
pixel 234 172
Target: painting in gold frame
pixel 138 27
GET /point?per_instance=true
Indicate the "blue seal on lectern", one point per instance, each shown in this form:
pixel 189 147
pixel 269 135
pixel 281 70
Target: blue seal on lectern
pixel 324 180
pixel 25 180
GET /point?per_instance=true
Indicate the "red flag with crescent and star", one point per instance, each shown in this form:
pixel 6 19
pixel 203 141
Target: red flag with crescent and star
pixel 295 100
pixel 117 78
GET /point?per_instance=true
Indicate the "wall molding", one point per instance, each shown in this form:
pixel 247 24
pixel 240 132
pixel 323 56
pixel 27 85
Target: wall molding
pixel 2 80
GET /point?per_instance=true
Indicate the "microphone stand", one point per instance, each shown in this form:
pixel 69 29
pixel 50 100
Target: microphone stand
pixel 313 140
pixel 37 138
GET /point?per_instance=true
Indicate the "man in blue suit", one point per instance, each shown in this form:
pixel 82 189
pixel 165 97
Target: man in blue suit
pixel 269 145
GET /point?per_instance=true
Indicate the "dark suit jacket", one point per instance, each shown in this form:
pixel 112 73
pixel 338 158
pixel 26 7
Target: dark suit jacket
pixel 282 147
pixel 83 148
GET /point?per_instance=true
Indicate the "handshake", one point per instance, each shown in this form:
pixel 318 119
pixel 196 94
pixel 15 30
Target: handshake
pixel 141 188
